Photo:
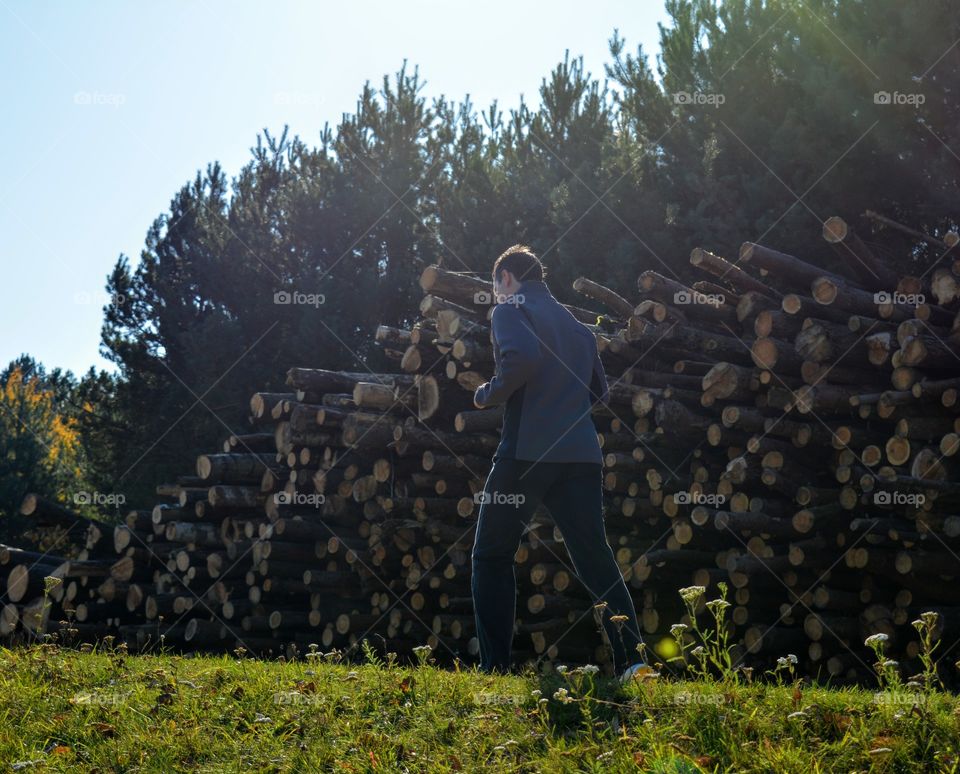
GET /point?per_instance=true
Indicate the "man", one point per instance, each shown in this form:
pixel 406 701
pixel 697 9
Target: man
pixel 548 376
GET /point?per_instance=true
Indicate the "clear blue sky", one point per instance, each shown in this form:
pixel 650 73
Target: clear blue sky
pixel 110 107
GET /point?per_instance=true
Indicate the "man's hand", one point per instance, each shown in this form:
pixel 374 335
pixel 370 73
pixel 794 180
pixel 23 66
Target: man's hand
pixel 475 394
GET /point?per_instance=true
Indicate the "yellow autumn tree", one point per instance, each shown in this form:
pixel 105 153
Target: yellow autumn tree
pixel 40 449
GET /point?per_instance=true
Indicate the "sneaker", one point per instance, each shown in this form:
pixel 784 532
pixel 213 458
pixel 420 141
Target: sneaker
pixel 632 671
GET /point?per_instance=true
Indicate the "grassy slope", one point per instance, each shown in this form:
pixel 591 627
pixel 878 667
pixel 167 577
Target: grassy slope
pixel 105 711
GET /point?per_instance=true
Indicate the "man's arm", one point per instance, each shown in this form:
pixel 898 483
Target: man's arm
pixel 599 389
pixel 519 356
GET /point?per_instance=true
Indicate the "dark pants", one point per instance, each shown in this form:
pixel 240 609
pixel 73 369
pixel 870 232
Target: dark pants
pixel 573 494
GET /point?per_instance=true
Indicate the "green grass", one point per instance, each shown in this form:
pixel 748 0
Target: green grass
pixel 106 711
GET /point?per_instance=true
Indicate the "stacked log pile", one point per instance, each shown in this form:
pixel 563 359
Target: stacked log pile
pixel 790 430
pixel 65 546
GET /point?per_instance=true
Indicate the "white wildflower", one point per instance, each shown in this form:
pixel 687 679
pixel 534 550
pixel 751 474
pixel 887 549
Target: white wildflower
pixel 716 606
pixel 692 593
pixel 50 582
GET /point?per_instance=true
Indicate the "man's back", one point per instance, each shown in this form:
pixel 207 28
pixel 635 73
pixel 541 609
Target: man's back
pixel 549 375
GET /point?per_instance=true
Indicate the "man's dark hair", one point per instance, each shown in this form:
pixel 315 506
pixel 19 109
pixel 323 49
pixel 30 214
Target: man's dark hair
pixel 521 262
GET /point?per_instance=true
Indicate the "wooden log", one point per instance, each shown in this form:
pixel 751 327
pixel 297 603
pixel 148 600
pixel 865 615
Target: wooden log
pixel 48 512
pixel 483 420
pixel 320 381
pixel 774 355
pixel 459 288
pixel 726 380
pixel 27 580
pixel 792 269
pixel 944 244
pixel 472 354
pixel 930 353
pixel 234 468
pixel 734 275
pixel 613 301
pixel 873 273
pixel 382 397
pixel 832 291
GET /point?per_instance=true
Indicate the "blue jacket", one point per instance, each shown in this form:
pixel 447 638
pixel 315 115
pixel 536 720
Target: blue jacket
pixel 548 375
